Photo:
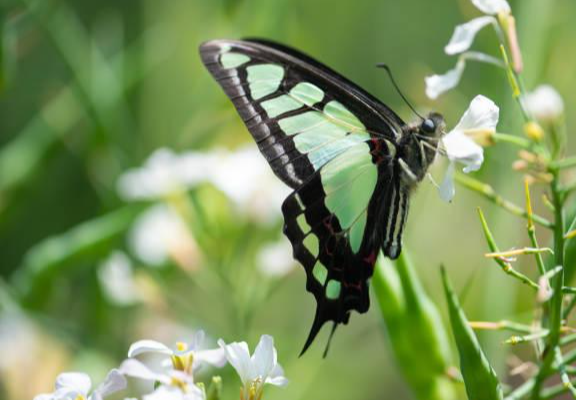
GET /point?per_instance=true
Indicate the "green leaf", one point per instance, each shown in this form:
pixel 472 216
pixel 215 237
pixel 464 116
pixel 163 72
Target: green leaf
pixel 479 377
pixel 57 252
pixel 416 333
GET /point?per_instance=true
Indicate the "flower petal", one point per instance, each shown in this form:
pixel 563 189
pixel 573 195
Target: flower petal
pixel 45 396
pixel 197 340
pixel 446 190
pixel 113 383
pixel 464 34
pixel 74 381
pixel 174 393
pixel 238 356
pixel 492 6
pixel 148 346
pixel 438 84
pixel 136 369
pixel 481 114
pixel 215 357
pixel 165 393
pixel 264 358
pixel 277 377
pixel 463 149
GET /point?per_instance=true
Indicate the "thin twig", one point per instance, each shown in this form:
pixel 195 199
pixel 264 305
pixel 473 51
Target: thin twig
pixel 569 162
pixel 501 261
pixel 532 229
pixel 488 192
pixel 519 252
pixel 501 325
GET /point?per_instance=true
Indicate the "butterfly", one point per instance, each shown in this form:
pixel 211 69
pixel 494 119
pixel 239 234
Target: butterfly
pixel 350 160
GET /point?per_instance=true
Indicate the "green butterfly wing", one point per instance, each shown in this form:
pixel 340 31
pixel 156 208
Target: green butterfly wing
pixel 336 146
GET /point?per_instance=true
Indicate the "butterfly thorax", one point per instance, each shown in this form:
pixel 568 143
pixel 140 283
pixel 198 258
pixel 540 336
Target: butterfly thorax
pixel 417 148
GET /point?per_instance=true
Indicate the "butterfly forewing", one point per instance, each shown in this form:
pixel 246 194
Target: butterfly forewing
pixel 335 145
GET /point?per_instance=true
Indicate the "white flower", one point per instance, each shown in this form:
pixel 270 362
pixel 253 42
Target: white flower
pixel 242 175
pixel 492 7
pixel 172 385
pixel 165 172
pixel 160 235
pixel 187 357
pixel 438 84
pixel 275 259
pixel 256 370
pixel 248 181
pixel 77 385
pixel 117 279
pixel 481 117
pixel 464 34
pixel 544 103
pixel 164 392
pixel 460 43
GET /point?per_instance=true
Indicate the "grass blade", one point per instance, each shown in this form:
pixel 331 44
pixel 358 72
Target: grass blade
pixel 479 377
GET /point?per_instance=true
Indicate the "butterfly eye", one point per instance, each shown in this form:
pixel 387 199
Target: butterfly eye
pixel 428 126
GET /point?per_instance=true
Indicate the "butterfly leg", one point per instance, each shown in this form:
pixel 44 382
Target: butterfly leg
pixel 408 175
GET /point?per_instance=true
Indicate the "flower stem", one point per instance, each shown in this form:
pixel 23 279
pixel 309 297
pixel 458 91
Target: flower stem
pixel 565 163
pixel 512 139
pixel 532 229
pixel 501 325
pixel 501 261
pixel 555 321
pixel 488 192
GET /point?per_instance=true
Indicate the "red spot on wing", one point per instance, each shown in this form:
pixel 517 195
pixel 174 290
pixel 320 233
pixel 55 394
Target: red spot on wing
pixel 371 259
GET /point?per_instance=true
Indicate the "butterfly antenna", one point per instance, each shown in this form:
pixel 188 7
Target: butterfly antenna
pixel 387 68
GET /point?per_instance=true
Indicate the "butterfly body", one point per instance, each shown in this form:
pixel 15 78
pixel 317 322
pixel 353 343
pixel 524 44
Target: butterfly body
pixel 350 160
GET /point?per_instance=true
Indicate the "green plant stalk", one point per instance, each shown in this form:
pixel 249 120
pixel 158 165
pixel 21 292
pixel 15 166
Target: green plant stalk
pixel 512 139
pixel 502 325
pixel 506 267
pixel 514 340
pixel 415 331
pixel 532 230
pixel 567 189
pixel 563 374
pixel 566 311
pixel 555 321
pixel 569 162
pixel 488 192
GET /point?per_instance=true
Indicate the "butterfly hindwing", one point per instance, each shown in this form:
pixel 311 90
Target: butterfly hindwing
pixel 336 146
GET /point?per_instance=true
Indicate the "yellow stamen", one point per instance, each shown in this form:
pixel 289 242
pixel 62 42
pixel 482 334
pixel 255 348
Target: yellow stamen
pixel 483 137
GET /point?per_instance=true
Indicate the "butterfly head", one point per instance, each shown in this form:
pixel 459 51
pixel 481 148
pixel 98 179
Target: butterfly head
pixel 427 134
pixel 432 126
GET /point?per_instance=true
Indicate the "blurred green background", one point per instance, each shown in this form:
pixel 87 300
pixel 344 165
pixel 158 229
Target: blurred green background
pixel 90 89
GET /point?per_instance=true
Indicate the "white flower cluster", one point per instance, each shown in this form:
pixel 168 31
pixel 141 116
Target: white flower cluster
pixel 174 380
pixel 461 41
pixel 242 175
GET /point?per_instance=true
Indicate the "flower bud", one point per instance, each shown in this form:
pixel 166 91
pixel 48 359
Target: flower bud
pixel 534 131
pixel 545 103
